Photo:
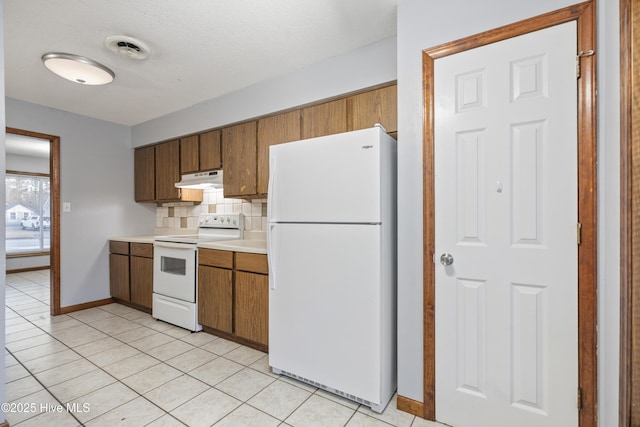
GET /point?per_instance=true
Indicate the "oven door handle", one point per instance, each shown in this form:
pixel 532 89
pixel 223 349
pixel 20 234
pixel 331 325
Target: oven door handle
pixel 174 245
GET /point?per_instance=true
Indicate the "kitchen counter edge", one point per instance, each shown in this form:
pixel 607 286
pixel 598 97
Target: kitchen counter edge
pixel 246 245
pixel 133 239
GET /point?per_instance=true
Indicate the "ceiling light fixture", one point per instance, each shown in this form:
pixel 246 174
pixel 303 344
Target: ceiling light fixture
pixel 78 68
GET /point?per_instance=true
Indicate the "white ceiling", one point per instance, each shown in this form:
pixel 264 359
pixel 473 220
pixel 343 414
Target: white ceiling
pixel 200 49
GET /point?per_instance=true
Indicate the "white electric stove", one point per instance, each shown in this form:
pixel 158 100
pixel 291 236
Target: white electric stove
pixel 175 268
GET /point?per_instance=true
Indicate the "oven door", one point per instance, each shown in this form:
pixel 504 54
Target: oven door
pixel 174 270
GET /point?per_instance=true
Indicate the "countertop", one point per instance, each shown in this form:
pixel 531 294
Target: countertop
pixel 244 245
pixel 134 239
pixel 256 246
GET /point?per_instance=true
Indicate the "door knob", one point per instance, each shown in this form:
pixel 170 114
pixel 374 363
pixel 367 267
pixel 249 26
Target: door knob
pixel 446 259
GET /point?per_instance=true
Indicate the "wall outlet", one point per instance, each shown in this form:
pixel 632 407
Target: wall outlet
pixel 66 207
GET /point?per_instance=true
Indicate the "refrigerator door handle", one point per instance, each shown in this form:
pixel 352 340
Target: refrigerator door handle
pixel 271 257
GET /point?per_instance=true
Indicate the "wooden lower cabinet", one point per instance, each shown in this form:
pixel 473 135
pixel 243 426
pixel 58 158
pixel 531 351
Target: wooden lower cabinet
pixel 233 295
pixel 131 273
pixel 215 298
pixel 141 280
pixel 252 307
pixel 119 276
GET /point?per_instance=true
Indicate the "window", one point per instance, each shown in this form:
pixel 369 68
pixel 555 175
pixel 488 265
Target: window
pixel 27 213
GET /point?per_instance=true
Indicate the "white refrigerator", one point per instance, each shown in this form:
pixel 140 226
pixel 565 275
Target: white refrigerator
pixel 331 237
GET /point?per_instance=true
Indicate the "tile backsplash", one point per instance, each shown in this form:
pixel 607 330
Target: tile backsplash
pixel 185 214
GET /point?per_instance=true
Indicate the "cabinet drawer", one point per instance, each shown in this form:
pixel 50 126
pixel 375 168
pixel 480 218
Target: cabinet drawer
pixel 142 249
pixel 117 247
pixel 255 263
pixel 215 258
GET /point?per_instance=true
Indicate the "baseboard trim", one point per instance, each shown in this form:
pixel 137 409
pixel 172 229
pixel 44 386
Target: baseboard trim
pixel 24 270
pixel 411 406
pixel 83 306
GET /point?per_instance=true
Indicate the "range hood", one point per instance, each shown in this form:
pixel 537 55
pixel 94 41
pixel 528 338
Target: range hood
pixel 201 180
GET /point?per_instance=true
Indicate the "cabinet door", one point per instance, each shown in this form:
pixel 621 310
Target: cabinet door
pixel 189 154
pixel 210 151
pixel 144 172
pixel 167 170
pixel 119 276
pixel 252 307
pixel 271 131
pixel 141 271
pixel 375 106
pixel 215 298
pixel 239 157
pixel 324 119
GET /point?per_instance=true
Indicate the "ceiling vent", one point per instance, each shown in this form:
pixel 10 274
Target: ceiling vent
pixel 128 47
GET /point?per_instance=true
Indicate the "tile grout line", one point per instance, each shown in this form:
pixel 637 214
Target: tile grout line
pixel 43 386
pixel 83 357
pixel 165 412
pixel 143 352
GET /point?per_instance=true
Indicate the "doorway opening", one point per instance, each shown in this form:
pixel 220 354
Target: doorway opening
pixel 43 213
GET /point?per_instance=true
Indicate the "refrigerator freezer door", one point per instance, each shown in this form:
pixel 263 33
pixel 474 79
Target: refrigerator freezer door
pixel 324 305
pixel 335 178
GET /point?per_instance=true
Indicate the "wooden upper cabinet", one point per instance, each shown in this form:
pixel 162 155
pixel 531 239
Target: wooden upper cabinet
pixel 189 155
pixel 239 157
pixel 167 170
pixel 210 151
pixel 200 153
pixel 375 106
pixel 271 131
pixel 144 174
pixel 242 151
pixel 156 170
pixel 324 119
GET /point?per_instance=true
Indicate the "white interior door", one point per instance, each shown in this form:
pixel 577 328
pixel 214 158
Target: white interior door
pixel 506 212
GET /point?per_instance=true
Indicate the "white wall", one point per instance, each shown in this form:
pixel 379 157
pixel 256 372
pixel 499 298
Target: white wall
pixel 96 172
pixel 2 200
pixel 608 210
pixel 423 24
pixel 369 66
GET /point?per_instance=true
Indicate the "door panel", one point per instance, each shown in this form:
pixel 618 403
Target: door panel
pixel 506 210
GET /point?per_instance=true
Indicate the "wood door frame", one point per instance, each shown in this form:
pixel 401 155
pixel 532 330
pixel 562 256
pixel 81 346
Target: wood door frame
pixel 54 177
pixel 585 16
pixel 629 410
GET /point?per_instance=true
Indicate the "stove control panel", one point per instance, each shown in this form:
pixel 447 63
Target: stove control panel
pixel 213 220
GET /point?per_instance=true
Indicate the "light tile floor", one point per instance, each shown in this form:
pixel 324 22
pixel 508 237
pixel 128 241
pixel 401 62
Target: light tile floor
pixel 114 365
